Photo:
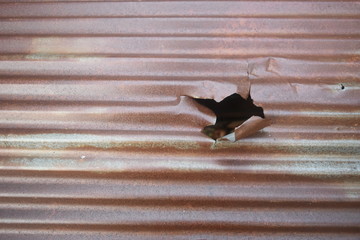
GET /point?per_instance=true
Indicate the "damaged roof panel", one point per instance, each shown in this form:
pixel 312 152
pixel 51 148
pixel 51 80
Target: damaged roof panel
pixel 100 137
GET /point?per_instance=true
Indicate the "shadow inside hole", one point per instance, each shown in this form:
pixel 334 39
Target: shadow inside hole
pixel 230 113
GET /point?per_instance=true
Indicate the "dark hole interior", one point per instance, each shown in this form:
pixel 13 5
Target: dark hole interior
pixel 230 113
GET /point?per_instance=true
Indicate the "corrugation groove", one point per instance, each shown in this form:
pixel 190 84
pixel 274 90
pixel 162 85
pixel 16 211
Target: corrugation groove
pixel 100 139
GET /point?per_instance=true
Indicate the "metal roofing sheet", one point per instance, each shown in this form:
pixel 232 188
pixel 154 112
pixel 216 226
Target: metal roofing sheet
pixel 100 137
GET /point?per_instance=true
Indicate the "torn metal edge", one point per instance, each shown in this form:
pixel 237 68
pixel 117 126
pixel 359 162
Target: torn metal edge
pixel 248 128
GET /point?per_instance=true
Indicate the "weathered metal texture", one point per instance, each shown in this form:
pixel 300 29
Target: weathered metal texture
pixel 99 138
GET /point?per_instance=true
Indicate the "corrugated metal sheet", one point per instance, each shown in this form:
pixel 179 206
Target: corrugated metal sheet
pixel 99 138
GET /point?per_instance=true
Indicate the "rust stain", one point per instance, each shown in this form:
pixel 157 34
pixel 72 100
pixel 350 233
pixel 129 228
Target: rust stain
pixel 100 137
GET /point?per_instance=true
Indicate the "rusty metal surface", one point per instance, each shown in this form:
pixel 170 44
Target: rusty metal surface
pixel 100 139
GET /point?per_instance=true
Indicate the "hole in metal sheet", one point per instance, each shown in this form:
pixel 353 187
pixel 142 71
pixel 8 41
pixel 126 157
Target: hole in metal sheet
pixel 230 113
pixel 342 86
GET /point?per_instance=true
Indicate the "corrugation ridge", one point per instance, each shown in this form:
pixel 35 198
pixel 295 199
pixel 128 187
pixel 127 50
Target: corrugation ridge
pixel 191 226
pixel 183 27
pixel 229 69
pixel 295 142
pixel 280 36
pixel 199 202
pixel 42 234
pixel 317 168
pixel 144 216
pixel 183 9
pixel 174 47
pixel 185 175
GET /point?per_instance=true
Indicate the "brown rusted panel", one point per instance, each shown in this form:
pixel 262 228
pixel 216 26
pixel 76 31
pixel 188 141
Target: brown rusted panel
pixel 100 139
